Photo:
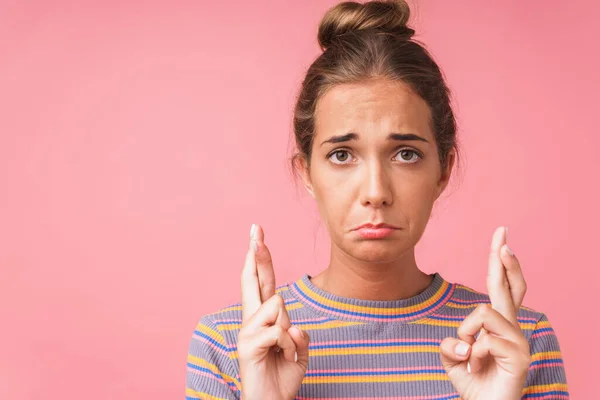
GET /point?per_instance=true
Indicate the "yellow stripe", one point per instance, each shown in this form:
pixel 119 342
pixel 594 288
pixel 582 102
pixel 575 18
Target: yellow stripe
pixel 200 362
pixel 462 306
pixel 544 324
pixel 316 380
pixel 373 310
pixel 527 309
pixel 306 327
pixel 289 307
pixel 373 350
pixel 365 350
pixel 435 322
pixel 213 334
pixel 451 304
pixel 329 325
pixel 201 395
pixel 546 355
pixel 456 324
pixel 546 388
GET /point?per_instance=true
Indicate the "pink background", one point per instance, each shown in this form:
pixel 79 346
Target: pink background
pixel 139 141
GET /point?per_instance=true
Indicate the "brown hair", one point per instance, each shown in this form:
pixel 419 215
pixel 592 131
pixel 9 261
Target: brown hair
pixel 368 41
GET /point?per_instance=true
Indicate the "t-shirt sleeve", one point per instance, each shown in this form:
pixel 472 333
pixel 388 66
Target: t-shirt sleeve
pixel 210 371
pixel 546 378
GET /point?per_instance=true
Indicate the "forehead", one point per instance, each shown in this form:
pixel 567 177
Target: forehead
pixel 379 106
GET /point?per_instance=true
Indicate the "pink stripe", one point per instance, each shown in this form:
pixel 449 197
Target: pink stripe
pixel 321 319
pixel 239 321
pixel 547 333
pixel 212 346
pixel 554 364
pixel 374 341
pixel 438 396
pixel 460 301
pixel 554 397
pixel 453 318
pixel 429 367
pixel 207 375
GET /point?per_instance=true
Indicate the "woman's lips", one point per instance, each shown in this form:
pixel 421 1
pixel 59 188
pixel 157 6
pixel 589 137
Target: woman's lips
pixel 375 233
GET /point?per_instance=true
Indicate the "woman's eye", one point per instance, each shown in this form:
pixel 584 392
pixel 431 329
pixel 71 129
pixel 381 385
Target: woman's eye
pixel 410 156
pixel 339 155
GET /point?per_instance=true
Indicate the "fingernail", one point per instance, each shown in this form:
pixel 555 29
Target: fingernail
pixel 506 233
pixel 462 349
pixel 508 250
pixel 254 245
pixel 295 356
pixel 468 367
pixel 252 228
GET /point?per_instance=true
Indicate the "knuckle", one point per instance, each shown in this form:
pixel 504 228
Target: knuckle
pixel 461 330
pixel 278 300
pixel 484 309
pixel 278 331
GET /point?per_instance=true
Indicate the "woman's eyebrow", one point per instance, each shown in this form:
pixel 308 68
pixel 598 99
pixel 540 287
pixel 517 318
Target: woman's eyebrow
pixel 392 136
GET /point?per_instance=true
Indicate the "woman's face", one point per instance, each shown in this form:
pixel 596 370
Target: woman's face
pixel 368 176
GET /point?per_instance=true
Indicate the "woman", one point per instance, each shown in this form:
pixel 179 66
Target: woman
pixel 376 141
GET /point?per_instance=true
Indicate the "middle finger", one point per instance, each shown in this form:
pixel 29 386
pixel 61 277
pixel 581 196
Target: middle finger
pixel 497 282
pixel 264 265
pixel 251 301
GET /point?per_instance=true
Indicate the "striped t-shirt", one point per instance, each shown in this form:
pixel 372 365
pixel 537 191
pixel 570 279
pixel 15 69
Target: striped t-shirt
pixel 363 349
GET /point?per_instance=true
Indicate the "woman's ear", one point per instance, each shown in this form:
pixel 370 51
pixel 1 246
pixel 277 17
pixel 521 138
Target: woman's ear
pixel 304 169
pixel 446 174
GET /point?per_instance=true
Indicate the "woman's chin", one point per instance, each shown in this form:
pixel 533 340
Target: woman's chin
pixel 377 251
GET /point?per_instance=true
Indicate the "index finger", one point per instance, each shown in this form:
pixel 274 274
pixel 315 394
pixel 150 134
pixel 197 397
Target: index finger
pixel 250 286
pixel 497 282
pixel 264 265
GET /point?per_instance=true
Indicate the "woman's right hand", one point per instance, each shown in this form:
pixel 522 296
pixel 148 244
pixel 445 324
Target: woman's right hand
pixel 273 355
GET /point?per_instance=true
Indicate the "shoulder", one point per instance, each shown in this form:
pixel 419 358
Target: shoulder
pixel 466 298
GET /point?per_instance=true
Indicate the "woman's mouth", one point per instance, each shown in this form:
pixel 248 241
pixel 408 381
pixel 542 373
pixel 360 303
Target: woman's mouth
pixel 375 231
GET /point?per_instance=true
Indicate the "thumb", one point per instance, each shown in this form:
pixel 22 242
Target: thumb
pixel 301 339
pixel 453 353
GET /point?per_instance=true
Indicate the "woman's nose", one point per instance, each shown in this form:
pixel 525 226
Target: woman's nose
pixel 376 187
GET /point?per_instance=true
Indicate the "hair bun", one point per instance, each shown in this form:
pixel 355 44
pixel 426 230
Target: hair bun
pixel 389 16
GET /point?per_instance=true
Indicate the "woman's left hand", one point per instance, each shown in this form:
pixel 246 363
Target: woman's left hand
pixel 495 365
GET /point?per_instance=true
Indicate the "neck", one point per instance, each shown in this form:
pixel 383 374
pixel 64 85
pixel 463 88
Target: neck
pixel 348 277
